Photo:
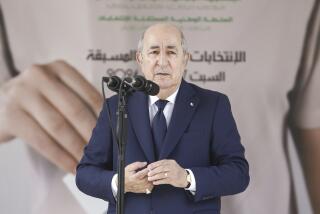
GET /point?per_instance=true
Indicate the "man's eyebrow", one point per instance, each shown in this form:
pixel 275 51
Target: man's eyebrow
pixel 172 47
pixel 154 47
pixel 169 47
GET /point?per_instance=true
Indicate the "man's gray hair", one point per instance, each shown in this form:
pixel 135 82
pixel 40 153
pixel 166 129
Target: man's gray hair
pixel 183 41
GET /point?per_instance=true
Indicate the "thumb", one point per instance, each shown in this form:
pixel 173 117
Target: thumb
pixel 135 166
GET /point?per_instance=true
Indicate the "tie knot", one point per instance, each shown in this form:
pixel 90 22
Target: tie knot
pixel 161 104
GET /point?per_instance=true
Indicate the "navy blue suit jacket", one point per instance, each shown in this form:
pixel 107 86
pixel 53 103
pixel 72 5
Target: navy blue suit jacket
pixel 202 136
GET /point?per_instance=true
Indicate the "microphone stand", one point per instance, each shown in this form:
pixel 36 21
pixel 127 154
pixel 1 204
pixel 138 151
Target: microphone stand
pixel 121 139
pixel 122 130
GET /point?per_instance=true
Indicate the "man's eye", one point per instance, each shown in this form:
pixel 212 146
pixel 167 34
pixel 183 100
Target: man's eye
pixel 154 52
pixel 171 52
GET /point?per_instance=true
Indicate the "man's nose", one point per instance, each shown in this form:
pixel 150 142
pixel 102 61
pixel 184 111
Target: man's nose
pixel 163 59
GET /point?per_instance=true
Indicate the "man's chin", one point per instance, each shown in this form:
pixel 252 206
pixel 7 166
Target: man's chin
pixel 165 85
pixel 162 83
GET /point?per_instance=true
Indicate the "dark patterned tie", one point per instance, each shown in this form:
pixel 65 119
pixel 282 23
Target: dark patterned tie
pixel 159 126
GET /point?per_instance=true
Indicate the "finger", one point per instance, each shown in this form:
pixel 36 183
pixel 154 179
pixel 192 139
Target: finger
pixel 52 122
pixel 157 164
pixel 5 135
pixel 64 100
pixel 26 128
pixel 159 169
pixel 72 78
pixel 142 186
pixel 150 186
pixel 162 181
pixel 158 176
pixel 5 109
pixel 135 166
pixel 141 174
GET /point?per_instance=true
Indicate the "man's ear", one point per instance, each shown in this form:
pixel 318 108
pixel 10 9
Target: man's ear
pixel 139 58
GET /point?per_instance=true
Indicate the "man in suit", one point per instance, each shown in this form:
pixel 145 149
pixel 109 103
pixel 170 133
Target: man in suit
pixel 183 150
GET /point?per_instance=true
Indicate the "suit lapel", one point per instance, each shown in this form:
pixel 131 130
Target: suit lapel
pixel 184 108
pixel 139 117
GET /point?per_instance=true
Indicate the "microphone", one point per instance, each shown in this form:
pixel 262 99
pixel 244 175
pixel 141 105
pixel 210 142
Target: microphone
pixel 113 82
pixel 140 83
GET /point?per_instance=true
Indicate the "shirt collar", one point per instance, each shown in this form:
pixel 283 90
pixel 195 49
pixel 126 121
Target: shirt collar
pixel 171 98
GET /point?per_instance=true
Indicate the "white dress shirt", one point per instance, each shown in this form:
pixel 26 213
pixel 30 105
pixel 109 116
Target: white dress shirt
pixel 167 111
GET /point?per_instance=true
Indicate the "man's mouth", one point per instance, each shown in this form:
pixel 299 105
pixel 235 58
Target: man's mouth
pixel 162 74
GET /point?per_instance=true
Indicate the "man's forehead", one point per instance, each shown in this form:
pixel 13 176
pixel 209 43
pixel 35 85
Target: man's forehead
pixel 167 36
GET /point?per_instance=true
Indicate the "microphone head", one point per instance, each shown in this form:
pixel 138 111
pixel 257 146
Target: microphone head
pixel 151 88
pixel 105 79
pixel 114 83
pixel 139 83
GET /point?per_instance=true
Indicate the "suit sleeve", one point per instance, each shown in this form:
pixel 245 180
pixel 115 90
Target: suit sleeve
pixel 229 172
pixel 95 171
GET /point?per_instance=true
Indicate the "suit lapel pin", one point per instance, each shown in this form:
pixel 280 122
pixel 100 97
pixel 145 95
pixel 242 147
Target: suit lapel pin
pixel 191 104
